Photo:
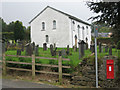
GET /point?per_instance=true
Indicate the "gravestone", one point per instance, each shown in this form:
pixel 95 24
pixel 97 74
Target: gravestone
pixel 67 52
pixel 55 51
pixel 86 46
pixel 36 50
pixel 51 50
pixel 99 47
pixel 19 52
pixel 92 48
pixel 29 50
pixel 106 48
pixel 79 49
pixel 110 50
pixel 44 46
pixel 82 48
pixel 33 46
pixel 63 53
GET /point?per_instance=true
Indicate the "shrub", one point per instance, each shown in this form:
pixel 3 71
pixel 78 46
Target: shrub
pixel 13 48
pixel 118 45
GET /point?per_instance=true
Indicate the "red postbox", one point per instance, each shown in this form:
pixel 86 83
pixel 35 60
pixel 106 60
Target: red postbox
pixel 110 69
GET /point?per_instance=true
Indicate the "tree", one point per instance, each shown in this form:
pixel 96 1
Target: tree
pixel 110 14
pixel 11 27
pixel 18 31
pixel 4 25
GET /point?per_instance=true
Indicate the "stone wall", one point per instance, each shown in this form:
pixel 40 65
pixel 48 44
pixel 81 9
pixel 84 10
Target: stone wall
pixel 85 75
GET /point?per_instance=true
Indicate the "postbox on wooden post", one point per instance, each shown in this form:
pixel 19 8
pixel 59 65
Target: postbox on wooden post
pixel 110 69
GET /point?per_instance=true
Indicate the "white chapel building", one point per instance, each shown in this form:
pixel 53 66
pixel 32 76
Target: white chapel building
pixel 53 26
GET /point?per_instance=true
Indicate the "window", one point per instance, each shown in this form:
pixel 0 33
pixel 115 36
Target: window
pixel 43 25
pixel 73 26
pixel 54 24
pixel 87 29
pixel 47 38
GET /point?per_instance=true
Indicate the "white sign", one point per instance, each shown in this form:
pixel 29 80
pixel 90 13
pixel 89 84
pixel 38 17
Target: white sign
pixel 110 68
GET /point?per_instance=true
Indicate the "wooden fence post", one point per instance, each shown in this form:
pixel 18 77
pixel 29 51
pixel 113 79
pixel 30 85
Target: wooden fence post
pixel 33 66
pixel 4 65
pixel 60 67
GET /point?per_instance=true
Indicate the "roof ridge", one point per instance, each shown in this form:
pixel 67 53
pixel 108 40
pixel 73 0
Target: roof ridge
pixel 70 16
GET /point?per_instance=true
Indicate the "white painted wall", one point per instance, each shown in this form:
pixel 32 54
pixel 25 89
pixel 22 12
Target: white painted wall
pixel 63 35
pixel 74 31
pixel 60 35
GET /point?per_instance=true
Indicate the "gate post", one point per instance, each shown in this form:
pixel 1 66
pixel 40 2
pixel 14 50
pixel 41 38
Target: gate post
pixel 4 65
pixel 60 67
pixel 33 65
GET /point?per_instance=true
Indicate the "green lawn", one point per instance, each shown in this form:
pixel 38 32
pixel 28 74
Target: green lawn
pixel 74 58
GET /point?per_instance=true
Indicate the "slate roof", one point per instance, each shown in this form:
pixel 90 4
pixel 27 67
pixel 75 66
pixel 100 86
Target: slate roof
pixel 70 16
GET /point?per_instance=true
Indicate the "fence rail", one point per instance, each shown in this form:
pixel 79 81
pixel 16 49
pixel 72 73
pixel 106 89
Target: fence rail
pixel 33 70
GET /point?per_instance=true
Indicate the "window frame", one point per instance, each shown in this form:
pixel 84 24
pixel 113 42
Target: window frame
pixel 54 24
pixel 43 26
pixel 47 38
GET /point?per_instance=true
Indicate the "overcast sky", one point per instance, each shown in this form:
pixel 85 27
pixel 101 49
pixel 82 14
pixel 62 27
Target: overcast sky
pixel 25 11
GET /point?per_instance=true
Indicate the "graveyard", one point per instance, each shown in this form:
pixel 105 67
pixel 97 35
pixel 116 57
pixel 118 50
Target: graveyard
pixel 74 64
pixel 73 55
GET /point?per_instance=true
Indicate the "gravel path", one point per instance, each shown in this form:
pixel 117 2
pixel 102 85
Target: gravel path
pixel 7 83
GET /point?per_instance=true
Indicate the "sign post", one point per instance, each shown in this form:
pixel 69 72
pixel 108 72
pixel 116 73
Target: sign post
pixel 96 35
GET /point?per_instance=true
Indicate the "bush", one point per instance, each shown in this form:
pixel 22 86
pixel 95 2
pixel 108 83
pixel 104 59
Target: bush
pixel 13 48
pixel 118 45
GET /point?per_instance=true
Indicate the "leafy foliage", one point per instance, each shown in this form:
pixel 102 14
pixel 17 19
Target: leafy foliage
pixel 109 13
pixel 14 30
pixel 18 31
pixel 118 45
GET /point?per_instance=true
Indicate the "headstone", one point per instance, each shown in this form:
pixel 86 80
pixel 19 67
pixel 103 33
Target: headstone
pixel 67 52
pixel 106 48
pixel 92 48
pixel 36 50
pixel 55 51
pixel 63 53
pixel 99 47
pixel 110 50
pixel 29 50
pixel 82 48
pixel 44 46
pixel 33 45
pixel 86 46
pixel 79 49
pixel 51 50
pixel 19 52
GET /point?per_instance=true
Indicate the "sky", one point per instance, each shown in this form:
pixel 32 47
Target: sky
pixel 24 11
